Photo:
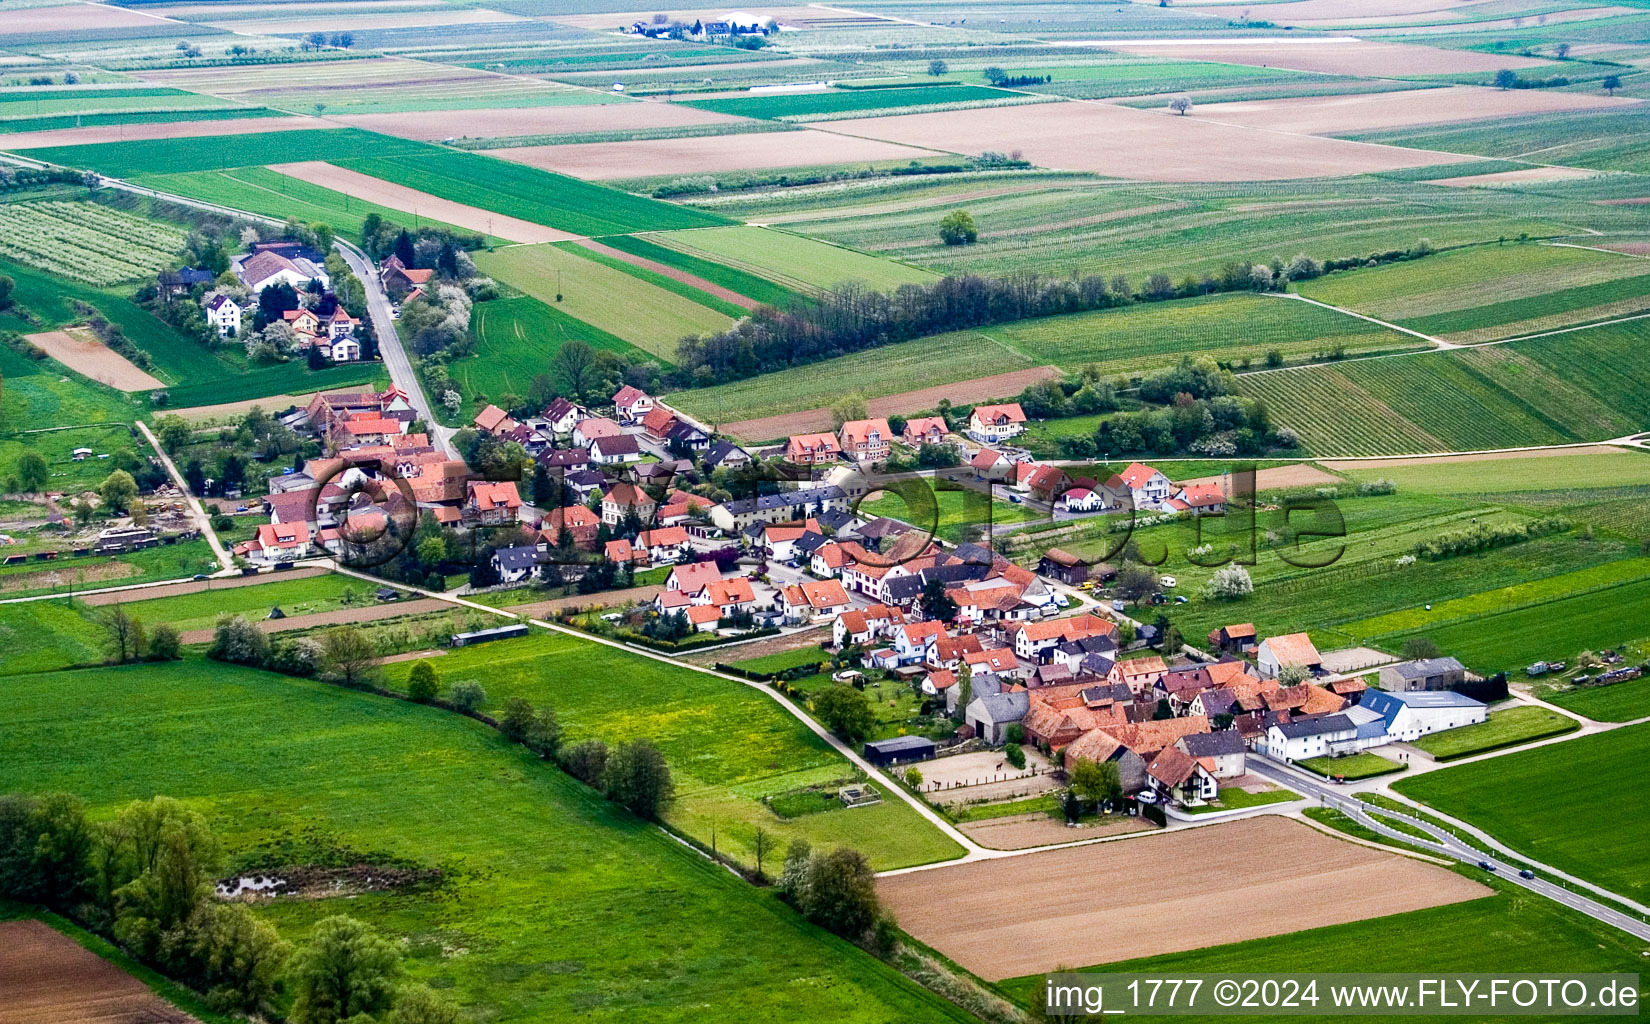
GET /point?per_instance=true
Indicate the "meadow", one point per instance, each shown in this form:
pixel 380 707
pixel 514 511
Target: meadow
pixel 46 394
pixel 549 897
pixel 656 278
pixel 609 300
pixel 515 340
pixel 1583 826
pixel 955 515
pixel 803 105
pixel 729 748
pixel 71 575
pixel 1585 385
pixel 304 596
pixel 37 102
pixel 1518 931
pixel 57 446
pixel 1505 728
pixel 43 636
pixel 1614 468
pixel 51 122
pixel 1533 287
pixel 1355 766
pixel 792 260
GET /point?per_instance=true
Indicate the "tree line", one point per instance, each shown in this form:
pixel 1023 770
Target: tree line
pixel 145 878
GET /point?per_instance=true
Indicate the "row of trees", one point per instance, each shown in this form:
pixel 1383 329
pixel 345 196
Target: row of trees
pixel 146 879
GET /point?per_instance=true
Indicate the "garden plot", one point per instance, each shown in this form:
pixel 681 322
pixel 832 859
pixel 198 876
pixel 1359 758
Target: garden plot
pixel 157 130
pixel 1126 143
pixel 399 197
pixel 80 351
pixel 706 154
pixel 1333 56
pixel 562 119
pixel 976 913
pixel 1343 115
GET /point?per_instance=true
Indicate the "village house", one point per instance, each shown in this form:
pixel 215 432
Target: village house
pixel 517 564
pixel 665 545
pixel 785 506
pixel 991 715
pixel 562 415
pixel 282 542
pixel 993 424
pixel 865 440
pixel 1224 749
pixel 691 578
pixel 1276 652
pixel 724 454
pixel 489 503
pixel 403 283
pixel 624 499
pixel 923 430
pixel 578 523
pixel 587 431
pixel 812 449
pixel 1140 675
pixel 1308 736
pixel 1239 638
pixel 1036 641
pixel 224 314
pixel 728 596
pixel 621 551
pixel 493 420
pixel 1180 778
pixel 631 404
pixel 1081 501
pixel 1199 499
pixel 1147 488
pixel 615 451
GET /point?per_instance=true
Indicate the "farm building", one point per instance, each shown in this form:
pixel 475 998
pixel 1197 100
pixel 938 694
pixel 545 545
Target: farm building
pixel 1412 715
pixel 482 636
pixel 899 749
pixel 1422 674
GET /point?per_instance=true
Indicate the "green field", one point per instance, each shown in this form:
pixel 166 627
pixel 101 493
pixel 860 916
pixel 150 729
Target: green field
pixel 1618 702
pixel 791 260
pixel 1624 468
pixel 549 898
pixel 52 122
pixel 1506 728
pixel 752 286
pixel 1530 287
pixel 873 373
pixel 1612 140
pixel 1586 385
pixel 728 746
pixel 656 278
pixel 802 105
pixel 1518 931
pixel 45 394
pixel 273 194
pixel 609 300
pixel 42 636
pixel 219 152
pixel 36 103
pixel 515 340
pixel 1151 76
pixel 1566 804
pixel 1354 766
pixel 516 190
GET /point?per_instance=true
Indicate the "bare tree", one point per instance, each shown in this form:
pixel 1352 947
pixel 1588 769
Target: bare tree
pixel 123 635
pixel 761 845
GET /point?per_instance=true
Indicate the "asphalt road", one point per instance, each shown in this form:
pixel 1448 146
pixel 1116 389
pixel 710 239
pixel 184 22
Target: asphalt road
pixel 1444 844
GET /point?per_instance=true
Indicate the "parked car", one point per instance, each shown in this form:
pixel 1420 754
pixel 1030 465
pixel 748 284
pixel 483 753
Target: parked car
pixel 1166 581
pixel 1118 605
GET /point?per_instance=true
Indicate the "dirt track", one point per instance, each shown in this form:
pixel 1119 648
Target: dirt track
pixel 196 586
pixel 48 978
pixel 1276 478
pixel 978 389
pixel 370 613
pixel 80 351
pixel 1104 903
pixel 1023 831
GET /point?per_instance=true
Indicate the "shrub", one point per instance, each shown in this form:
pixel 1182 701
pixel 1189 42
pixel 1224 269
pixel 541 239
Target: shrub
pixel 468 695
pixel 1015 755
pixel 957 228
pixel 586 761
pixel 236 640
pixel 423 683
pixel 638 778
pixel 1230 582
